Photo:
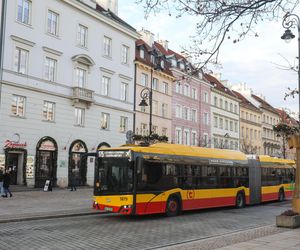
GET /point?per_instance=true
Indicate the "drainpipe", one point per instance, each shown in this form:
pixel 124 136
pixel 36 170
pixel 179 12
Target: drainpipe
pixel 2 39
pixel 134 98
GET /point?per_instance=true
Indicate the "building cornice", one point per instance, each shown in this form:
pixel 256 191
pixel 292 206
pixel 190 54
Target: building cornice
pixel 225 94
pixel 52 51
pixel 22 40
pixel 102 18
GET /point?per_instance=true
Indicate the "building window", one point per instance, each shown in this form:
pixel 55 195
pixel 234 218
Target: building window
pixel 194 93
pixel 107 44
pixel 164 131
pixel 155 107
pixel 206 119
pixel 193 115
pixel 226 124
pixel 221 123
pixel 231 125
pixel 48 111
pixel 164 110
pixel 194 138
pixel 105 86
pixel 185 114
pixel 235 127
pixel 144 130
pixel 178 111
pixel 186 137
pixel 226 105
pixel 50 69
pixel 165 88
pixel 235 109
pixel 21 60
pixel 236 145
pixel 186 90
pixel 215 121
pixel 52 25
pixel 24 11
pixel 123 124
pixel 125 54
pixel 82 35
pixel 144 79
pixel 231 107
pixel 205 140
pixel 79 117
pixel 18 105
pixel 178 136
pixel 104 121
pixel 154 129
pixel 80 77
pixel 221 103
pixel 155 83
pixel 178 87
pixel 124 91
pixel 216 101
pixel 205 97
pixel 142 53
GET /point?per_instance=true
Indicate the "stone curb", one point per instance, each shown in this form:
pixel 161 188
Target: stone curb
pixel 50 216
pixel 224 240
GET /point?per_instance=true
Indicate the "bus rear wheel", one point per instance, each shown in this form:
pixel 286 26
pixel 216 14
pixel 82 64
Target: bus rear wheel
pixel 240 200
pixel 281 195
pixel 173 207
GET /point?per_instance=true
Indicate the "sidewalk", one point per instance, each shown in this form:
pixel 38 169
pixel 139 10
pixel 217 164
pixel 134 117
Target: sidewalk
pixel 38 204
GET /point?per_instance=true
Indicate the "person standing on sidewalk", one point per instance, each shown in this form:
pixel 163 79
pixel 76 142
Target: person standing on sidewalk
pixel 1 182
pixel 6 182
pixel 73 180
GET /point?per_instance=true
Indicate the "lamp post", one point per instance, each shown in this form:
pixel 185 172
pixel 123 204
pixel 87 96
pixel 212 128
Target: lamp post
pixel 291 21
pixel 146 94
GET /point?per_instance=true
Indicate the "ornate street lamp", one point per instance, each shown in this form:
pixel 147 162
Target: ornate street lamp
pixel 293 21
pixel 146 93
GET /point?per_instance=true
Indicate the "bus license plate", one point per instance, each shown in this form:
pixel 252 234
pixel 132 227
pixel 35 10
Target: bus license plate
pixel 110 209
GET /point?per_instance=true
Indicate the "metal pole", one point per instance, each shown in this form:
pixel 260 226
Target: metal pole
pixel 296 196
pixel 2 40
pixel 150 103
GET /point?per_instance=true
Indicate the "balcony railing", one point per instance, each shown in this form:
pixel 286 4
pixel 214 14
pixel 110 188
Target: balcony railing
pixel 83 95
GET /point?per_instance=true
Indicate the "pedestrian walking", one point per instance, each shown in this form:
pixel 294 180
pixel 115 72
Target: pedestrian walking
pixel 1 182
pixel 6 182
pixel 73 180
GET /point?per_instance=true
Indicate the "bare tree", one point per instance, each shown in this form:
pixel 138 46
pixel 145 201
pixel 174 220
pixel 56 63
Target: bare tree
pixel 247 147
pixel 220 20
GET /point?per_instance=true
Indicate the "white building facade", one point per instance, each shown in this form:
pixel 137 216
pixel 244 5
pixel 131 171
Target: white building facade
pixel 224 116
pixel 66 88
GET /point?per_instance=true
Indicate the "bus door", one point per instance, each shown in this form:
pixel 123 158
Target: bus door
pixel 254 181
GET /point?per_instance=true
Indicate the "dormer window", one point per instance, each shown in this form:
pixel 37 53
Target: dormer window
pixel 181 65
pixel 174 63
pixel 142 53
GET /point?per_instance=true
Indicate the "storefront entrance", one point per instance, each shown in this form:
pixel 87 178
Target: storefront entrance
pixel 77 168
pixel 15 165
pixel 46 162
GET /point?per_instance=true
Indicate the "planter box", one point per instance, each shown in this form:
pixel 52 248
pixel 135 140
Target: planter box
pixel 288 221
pixel 294 141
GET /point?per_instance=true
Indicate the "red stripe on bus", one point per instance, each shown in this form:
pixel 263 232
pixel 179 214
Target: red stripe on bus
pixel 269 197
pixel 288 194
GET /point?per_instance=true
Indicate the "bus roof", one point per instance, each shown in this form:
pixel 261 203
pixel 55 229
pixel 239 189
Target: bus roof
pixel 269 159
pixel 177 149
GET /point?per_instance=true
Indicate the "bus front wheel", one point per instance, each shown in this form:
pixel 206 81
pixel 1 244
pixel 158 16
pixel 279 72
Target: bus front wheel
pixel 281 195
pixel 173 206
pixel 240 200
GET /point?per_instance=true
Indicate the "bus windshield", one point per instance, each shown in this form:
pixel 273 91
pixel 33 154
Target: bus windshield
pixel 114 176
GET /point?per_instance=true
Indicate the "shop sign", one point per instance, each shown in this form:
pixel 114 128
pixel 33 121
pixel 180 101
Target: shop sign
pixel 13 144
pixel 2 162
pixel 78 148
pixel 30 166
pixel 48 146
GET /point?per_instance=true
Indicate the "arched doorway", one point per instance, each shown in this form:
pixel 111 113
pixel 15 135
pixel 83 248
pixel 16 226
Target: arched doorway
pixel 46 161
pixel 103 145
pixel 77 168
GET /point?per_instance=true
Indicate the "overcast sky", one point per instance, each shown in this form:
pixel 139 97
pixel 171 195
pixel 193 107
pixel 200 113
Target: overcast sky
pixel 252 61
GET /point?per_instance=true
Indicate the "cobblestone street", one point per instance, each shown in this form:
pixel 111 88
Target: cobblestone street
pixel 111 231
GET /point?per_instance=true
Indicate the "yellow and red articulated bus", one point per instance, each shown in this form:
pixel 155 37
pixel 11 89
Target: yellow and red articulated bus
pixel 170 178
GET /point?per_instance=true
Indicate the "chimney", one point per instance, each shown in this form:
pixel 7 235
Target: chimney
pixel 147 36
pixel 164 43
pixel 187 56
pixel 112 5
